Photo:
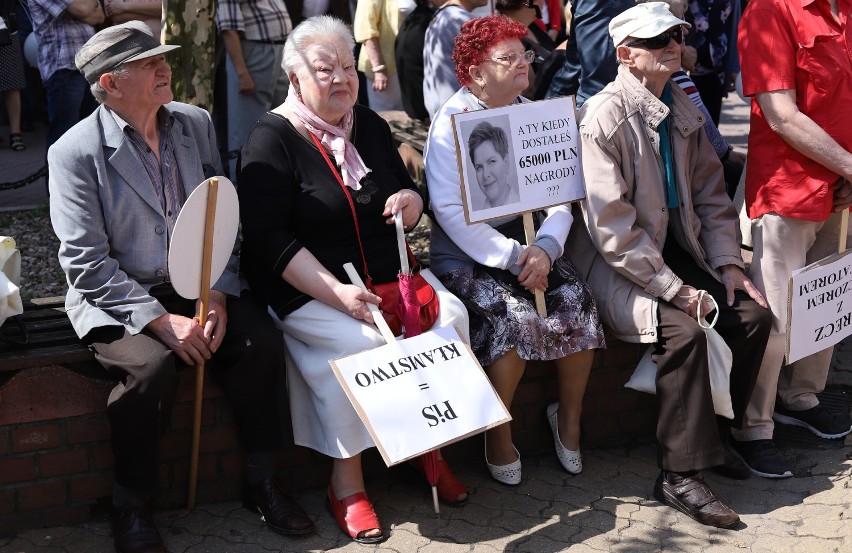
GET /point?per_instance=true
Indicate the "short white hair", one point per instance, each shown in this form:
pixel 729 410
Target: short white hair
pixel 320 28
pixel 100 94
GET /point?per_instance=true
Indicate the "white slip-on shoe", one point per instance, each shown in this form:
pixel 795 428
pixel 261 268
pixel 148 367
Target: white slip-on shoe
pixel 505 474
pixel 571 460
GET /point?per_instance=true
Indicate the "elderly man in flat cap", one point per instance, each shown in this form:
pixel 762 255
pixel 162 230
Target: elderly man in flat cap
pixel 117 183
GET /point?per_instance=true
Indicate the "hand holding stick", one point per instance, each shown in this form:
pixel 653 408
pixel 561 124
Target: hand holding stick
pixel 374 309
pixel 529 234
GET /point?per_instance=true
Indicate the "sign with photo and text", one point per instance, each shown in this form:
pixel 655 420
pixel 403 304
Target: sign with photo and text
pixel 518 158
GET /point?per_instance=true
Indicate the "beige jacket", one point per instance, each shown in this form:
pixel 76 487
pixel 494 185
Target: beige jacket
pixel 627 221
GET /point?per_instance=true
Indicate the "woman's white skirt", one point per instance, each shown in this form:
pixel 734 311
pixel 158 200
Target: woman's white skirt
pixel 323 417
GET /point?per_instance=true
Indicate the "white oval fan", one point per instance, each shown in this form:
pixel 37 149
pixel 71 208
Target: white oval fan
pixel 187 245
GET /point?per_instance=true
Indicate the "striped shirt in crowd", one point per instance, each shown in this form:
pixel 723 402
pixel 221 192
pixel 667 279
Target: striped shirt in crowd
pixel 716 139
pixel 163 172
pixel 59 35
pixel 255 20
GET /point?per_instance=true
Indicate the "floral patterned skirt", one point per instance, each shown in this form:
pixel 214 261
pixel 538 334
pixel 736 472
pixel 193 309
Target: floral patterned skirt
pixel 501 320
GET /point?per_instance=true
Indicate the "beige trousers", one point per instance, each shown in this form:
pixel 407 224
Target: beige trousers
pixel 782 245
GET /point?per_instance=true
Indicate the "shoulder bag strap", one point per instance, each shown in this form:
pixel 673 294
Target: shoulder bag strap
pixel 351 207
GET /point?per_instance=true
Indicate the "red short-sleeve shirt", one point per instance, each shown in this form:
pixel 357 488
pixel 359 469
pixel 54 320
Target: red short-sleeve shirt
pixel 795 44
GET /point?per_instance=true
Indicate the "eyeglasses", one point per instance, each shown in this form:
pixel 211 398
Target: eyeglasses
pixel 659 41
pixel 515 57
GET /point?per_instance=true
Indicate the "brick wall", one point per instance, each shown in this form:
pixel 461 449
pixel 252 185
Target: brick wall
pixel 55 458
pixel 56 465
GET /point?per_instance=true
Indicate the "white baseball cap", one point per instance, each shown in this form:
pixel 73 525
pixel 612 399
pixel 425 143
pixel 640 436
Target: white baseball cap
pixel 643 21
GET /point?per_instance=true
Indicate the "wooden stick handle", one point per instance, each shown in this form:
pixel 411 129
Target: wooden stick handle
pixel 844 230
pixel 204 300
pixel 529 234
pixel 378 318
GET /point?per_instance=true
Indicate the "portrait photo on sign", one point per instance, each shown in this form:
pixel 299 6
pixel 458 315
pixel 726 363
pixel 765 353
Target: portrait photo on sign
pixel 491 161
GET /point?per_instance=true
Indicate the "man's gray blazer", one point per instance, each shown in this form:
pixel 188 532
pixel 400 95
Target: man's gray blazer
pixel 110 222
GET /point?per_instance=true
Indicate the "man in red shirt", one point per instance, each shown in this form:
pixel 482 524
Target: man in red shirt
pixel 796 58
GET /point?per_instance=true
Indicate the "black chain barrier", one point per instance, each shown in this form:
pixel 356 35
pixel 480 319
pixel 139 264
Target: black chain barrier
pixel 24 181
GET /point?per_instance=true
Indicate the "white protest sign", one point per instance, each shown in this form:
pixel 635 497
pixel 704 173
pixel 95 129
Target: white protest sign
pixel 417 394
pixel 518 158
pixel 819 306
pixel 187 241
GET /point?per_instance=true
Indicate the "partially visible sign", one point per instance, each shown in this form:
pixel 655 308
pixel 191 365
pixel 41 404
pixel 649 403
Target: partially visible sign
pixel 819 306
pixel 518 158
pixel 417 394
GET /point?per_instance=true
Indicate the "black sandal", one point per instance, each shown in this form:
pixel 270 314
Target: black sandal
pixel 16 142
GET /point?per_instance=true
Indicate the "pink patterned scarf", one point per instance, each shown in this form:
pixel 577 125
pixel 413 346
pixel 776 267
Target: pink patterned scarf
pixel 334 140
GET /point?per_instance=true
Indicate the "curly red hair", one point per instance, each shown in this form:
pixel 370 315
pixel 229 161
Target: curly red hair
pixel 476 39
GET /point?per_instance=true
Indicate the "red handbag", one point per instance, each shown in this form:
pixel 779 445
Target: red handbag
pixel 392 305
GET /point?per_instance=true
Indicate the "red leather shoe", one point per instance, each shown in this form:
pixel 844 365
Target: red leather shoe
pixel 449 487
pixel 355 516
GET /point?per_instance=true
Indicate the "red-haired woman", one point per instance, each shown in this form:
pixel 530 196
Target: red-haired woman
pixel 494 273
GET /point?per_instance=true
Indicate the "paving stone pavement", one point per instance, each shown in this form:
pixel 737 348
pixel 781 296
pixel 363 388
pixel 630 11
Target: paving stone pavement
pixel 608 507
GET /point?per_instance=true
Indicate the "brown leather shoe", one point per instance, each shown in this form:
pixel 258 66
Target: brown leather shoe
pixel 693 497
pixel 280 511
pixel 134 530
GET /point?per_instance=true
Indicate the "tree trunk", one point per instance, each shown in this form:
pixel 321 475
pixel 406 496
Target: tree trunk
pixel 189 23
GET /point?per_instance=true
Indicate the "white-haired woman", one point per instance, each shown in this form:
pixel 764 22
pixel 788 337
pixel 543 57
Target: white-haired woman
pixel 299 231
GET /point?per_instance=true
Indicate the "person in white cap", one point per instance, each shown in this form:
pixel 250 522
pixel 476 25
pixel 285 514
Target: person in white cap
pixel 659 228
pixel 117 182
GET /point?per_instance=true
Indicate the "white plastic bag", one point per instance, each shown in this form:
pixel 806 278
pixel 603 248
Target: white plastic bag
pixel 10 277
pixel 719 359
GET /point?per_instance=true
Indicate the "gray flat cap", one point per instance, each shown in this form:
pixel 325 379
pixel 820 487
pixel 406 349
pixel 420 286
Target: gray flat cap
pixel 115 45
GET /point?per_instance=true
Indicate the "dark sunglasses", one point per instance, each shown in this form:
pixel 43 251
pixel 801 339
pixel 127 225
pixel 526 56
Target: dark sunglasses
pixel 659 41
